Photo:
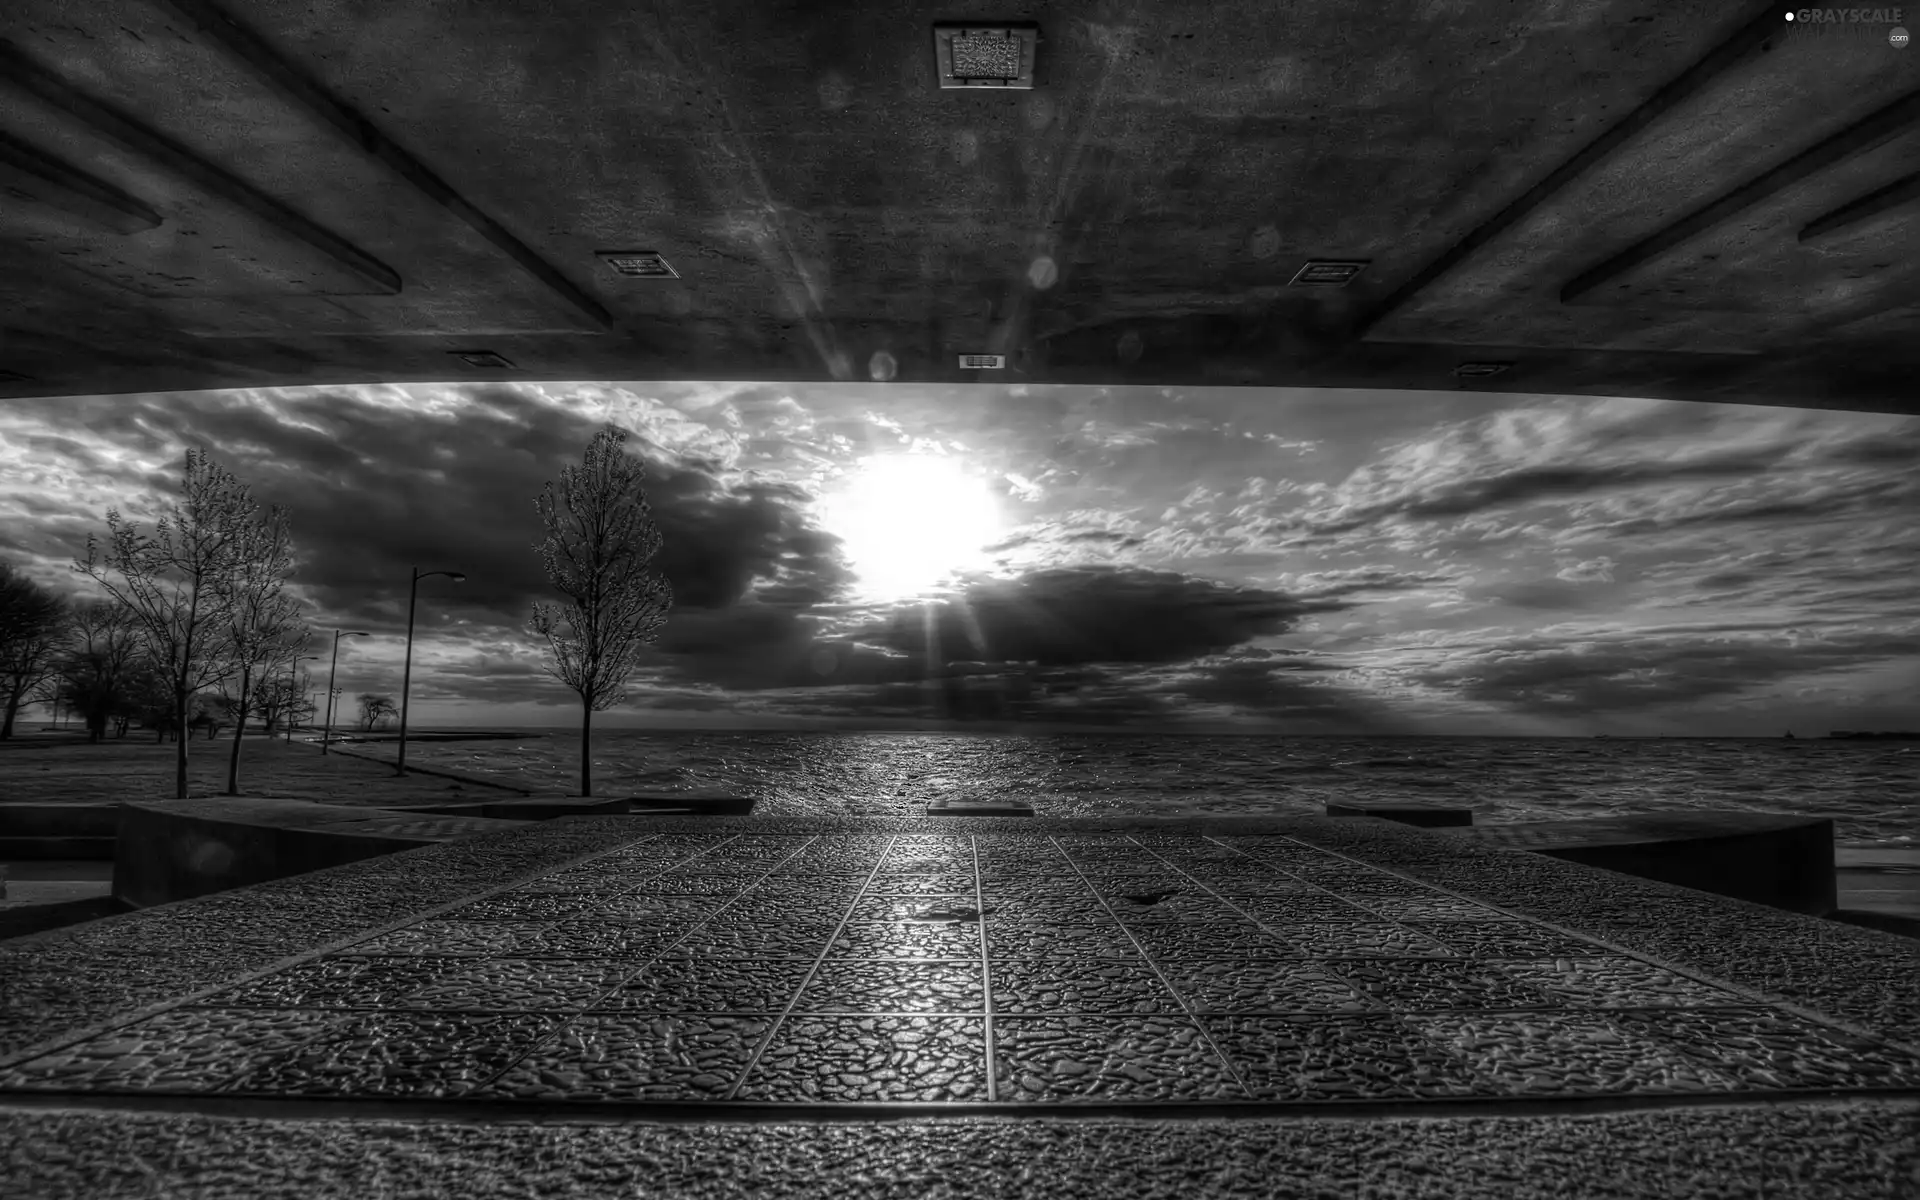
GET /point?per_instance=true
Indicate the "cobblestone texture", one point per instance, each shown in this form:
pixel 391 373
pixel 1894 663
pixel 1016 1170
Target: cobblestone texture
pixel 969 969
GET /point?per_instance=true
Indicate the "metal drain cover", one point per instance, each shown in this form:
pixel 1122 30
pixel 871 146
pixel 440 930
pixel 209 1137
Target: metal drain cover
pixel 985 56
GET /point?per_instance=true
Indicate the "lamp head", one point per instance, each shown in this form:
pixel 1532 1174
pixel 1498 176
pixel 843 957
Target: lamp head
pixel 457 576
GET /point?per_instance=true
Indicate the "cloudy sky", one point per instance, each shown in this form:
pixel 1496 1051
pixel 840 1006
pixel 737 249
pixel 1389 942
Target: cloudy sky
pixel 883 555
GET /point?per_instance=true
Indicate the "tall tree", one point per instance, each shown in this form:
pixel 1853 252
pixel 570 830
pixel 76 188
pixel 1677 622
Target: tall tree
pixel 281 700
pixel 177 584
pixel 33 632
pixel 601 540
pixel 374 709
pixel 96 672
pixel 264 631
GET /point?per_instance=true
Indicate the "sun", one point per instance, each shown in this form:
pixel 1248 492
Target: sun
pixel 908 521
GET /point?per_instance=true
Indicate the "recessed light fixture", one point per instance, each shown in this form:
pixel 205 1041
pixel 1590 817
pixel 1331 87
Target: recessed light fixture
pixel 1328 272
pixel 983 362
pixel 637 264
pixel 1481 370
pixel 485 359
pixel 985 56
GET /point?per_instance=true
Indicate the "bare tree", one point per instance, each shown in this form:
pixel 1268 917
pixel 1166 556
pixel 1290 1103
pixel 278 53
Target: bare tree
pixel 264 630
pixel 374 708
pixel 177 585
pixel 282 700
pixel 600 540
pixel 96 672
pixel 33 633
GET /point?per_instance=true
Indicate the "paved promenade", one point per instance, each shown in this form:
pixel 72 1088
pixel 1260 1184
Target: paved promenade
pixel 778 971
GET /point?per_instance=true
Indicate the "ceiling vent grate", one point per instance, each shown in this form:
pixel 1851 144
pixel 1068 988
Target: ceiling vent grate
pixel 637 264
pixel 1328 272
pixel 1481 370
pixel 983 362
pixel 985 56
pixel 484 359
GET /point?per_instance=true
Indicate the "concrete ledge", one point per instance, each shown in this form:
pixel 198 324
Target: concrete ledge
pixel 1785 862
pixel 181 849
pixel 1426 816
pixel 42 849
pixel 59 820
pixel 978 808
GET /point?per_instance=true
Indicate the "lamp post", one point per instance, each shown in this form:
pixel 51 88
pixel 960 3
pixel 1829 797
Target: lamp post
pixel 326 736
pixel 406 672
pixel 292 670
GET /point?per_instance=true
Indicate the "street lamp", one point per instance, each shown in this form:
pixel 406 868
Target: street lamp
pixel 406 672
pixel 293 669
pixel 326 737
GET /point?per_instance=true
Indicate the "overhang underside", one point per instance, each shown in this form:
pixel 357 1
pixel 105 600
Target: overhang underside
pixel 1636 197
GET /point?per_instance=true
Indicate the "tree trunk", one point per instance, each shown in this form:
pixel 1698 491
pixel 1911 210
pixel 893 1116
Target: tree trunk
pixel 13 706
pixel 180 753
pixel 239 727
pixel 586 748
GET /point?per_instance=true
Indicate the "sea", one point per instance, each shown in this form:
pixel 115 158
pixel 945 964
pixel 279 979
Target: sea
pixel 1871 789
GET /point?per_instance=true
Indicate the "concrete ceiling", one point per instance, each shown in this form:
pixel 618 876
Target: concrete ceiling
pixel 1667 198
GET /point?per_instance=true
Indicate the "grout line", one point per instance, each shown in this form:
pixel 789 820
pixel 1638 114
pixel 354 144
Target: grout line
pixel 793 1001
pixel 566 1019
pixel 1153 965
pixel 986 971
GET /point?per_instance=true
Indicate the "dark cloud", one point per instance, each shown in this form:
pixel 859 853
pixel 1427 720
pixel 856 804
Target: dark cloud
pixel 1624 673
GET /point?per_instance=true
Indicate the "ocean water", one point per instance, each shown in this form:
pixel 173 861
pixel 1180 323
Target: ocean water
pixel 1870 789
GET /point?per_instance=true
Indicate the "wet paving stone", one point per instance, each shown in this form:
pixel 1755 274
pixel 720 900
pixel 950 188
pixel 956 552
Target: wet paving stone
pixel 526 906
pixel 867 969
pixel 944 884
pixel 188 1049
pixel 1025 941
pixel 1102 1058
pixel 399 1054
pixel 590 937
pixel 785 908
pixel 340 982
pixel 1303 908
pixel 1760 1048
pixel 677 883
pixel 1189 940
pixel 1126 985
pixel 915 908
pixel 894 987
pixel 1431 908
pixel 1618 983
pixel 687 985
pixel 846 1060
pixel 1358 940
pixel 508 985
pixel 1264 986
pixel 1183 906
pixel 907 939
pixel 1566 1054
pixel 663 911
pixel 451 937
pixel 1332 1058
pixel 635 1057
pixel 1413 985
pixel 722 939
pixel 1506 939
pixel 1045 910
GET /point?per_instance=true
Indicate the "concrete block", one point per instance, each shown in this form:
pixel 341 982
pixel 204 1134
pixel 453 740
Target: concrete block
pixel 706 804
pixel 1427 816
pixel 1783 861
pixel 176 850
pixel 978 808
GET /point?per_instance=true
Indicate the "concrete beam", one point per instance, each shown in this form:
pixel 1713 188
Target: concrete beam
pixel 1857 138
pixel 1695 79
pixel 1901 191
pixel 250 51
pixel 26 173
pixel 30 77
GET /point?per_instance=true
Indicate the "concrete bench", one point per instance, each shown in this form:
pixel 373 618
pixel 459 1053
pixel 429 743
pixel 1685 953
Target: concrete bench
pixel 42 832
